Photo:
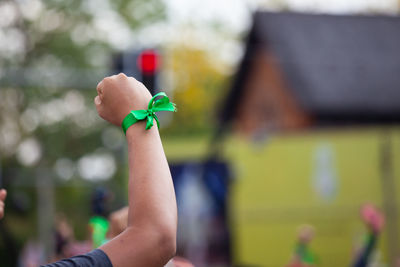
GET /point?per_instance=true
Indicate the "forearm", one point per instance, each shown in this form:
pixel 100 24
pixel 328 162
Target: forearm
pixel 363 258
pixel 150 238
pixel 151 234
pixel 151 193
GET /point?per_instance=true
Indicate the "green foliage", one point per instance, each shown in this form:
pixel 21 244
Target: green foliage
pixel 63 48
pixel 72 40
pixel 198 88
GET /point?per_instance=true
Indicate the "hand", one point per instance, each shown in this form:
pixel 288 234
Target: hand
pixel 3 194
pixel 118 95
pixel 372 217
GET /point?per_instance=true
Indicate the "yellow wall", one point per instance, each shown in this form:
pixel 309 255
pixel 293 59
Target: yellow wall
pixel 273 194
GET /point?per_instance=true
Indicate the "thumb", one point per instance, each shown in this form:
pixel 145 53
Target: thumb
pixel 99 106
pixel 3 194
pixel 97 103
pixel 97 100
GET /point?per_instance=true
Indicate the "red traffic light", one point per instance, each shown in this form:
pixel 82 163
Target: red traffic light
pixel 148 61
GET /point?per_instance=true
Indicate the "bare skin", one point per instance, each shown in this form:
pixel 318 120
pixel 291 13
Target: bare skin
pixel 3 195
pixel 118 222
pixel 150 237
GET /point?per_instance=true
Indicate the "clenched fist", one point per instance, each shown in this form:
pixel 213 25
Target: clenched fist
pixel 118 95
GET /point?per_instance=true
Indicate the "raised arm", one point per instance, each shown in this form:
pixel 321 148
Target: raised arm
pixel 150 238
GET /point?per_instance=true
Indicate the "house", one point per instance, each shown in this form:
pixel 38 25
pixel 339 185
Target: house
pixel 301 70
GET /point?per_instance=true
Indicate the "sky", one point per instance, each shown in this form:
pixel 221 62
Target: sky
pixel 234 17
pixel 215 25
pixel 233 13
pixel 236 13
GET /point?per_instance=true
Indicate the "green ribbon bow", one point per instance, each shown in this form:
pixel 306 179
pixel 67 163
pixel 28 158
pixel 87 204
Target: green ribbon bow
pixel 162 104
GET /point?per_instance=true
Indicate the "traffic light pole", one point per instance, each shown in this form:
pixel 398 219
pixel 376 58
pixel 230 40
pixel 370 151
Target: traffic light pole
pixel 150 82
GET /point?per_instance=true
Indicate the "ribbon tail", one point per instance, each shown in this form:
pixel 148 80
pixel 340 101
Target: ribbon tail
pixel 149 123
pixel 165 107
pixel 158 123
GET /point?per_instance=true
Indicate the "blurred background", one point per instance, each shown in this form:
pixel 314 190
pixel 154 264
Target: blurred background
pixel 287 125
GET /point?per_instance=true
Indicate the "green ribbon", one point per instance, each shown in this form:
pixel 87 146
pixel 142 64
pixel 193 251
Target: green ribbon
pixel 162 104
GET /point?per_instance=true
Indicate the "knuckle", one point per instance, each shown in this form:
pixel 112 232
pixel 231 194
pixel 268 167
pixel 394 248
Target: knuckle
pixel 106 83
pixel 121 75
pixel 107 79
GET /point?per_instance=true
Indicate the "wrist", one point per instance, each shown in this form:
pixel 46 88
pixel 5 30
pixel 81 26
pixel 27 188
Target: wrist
pixel 149 115
pixel 138 129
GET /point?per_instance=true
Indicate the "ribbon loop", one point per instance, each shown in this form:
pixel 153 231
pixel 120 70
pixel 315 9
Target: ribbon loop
pixel 161 104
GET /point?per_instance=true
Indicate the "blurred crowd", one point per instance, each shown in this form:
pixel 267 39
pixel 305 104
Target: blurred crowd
pixel 104 226
pixel 373 219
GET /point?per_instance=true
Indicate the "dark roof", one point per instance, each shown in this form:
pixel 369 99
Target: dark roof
pixel 338 67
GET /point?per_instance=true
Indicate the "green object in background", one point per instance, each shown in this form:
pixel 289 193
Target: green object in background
pixel 305 254
pixel 162 104
pixel 100 227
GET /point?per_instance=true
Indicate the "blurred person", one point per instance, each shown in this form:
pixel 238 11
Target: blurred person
pixel 374 221
pixel 32 251
pixel 303 256
pixel 32 254
pixel 64 236
pixel 3 195
pixel 5 233
pixel 79 247
pixel 65 243
pixel 98 223
pixel 150 236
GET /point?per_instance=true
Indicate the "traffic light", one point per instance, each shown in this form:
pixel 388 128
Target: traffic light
pixel 148 62
pixel 144 65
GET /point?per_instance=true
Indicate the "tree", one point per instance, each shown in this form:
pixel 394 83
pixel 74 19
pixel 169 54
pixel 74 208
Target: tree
pixel 50 52
pixel 198 85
